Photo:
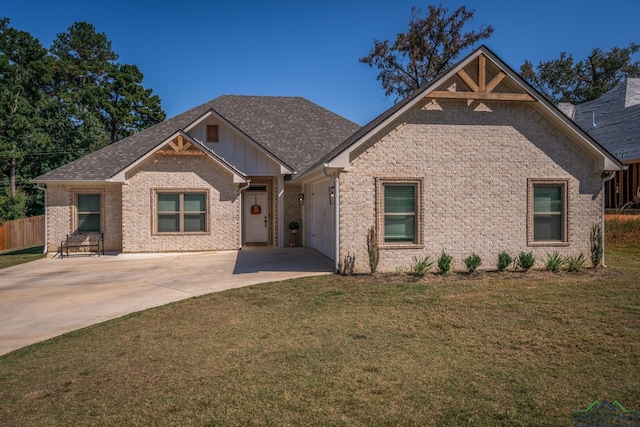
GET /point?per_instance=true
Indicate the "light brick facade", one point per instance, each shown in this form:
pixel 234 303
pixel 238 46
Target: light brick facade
pixel 473 161
pixel 180 174
pixel 62 213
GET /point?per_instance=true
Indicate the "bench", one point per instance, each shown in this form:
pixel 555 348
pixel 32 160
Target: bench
pixel 87 242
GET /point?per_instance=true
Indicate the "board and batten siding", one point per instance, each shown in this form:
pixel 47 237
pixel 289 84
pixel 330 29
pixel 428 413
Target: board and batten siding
pixel 236 149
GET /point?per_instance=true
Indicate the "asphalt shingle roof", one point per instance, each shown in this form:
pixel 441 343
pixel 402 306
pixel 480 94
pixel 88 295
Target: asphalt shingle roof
pixel 293 129
pixel 616 116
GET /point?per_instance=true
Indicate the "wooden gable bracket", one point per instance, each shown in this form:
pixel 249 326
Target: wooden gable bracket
pixel 481 90
pixel 180 146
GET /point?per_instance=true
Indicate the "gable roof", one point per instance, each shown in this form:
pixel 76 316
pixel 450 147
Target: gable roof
pixel 613 119
pixel 339 157
pixel 294 130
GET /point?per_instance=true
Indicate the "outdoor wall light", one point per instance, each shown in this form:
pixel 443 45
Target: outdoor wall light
pixel 301 199
pixel 332 195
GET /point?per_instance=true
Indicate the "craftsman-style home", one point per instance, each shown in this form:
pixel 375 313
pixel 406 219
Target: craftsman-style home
pixel 476 161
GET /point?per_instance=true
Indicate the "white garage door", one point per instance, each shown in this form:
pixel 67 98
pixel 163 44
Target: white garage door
pixel 322 219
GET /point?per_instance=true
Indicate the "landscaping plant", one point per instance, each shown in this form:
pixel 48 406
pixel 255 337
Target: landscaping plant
pixel 504 261
pixel 472 262
pixel 576 263
pixel 596 245
pixel 444 262
pixel 526 260
pixel 555 261
pixel 372 250
pixel 421 266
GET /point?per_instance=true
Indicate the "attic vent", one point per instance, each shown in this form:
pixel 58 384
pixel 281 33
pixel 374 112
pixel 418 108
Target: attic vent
pixel 212 133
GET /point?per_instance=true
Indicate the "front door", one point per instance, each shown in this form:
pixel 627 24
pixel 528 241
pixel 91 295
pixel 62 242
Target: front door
pixel 256 217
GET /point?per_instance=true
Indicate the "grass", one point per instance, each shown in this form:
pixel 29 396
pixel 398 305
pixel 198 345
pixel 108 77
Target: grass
pixel 14 257
pixel 490 349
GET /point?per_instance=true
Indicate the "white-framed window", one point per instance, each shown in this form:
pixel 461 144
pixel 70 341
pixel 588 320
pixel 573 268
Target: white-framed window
pixel 399 221
pixel 181 212
pixel 89 212
pixel 547 219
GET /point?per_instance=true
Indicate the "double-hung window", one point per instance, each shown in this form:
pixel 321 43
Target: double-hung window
pixel 89 213
pixel 182 212
pixel 548 212
pixel 398 212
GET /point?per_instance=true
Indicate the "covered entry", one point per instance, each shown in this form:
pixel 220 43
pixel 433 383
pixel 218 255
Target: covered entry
pixel 257 215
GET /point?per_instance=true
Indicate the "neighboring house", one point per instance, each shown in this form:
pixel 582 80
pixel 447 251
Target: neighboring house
pixel 614 121
pixel 476 161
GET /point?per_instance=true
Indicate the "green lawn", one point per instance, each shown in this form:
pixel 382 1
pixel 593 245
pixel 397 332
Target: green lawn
pixel 14 257
pixel 489 349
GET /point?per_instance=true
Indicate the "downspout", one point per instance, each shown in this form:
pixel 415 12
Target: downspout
pixel 46 217
pixel 603 182
pixel 240 190
pixel 336 184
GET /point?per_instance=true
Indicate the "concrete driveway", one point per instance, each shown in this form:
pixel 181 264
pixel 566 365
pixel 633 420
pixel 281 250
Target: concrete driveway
pixel 48 297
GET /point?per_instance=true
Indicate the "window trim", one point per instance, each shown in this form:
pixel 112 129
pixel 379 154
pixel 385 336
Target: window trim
pixel 381 182
pixel 79 212
pixel 564 222
pixel 181 192
pixel 217 133
pixel 73 204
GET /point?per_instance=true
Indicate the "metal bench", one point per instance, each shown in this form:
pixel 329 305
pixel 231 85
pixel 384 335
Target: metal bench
pixel 84 242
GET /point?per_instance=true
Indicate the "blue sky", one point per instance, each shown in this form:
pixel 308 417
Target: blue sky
pixel 193 51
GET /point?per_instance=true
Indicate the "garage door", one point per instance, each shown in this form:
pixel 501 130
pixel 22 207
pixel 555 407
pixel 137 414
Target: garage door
pixel 322 219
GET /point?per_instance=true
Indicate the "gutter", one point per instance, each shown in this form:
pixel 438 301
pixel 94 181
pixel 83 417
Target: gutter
pixel 240 190
pixel 603 182
pixel 46 218
pixel 336 184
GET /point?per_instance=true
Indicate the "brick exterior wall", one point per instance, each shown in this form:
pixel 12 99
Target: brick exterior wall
pixel 179 173
pixel 62 214
pixel 474 161
pixel 292 212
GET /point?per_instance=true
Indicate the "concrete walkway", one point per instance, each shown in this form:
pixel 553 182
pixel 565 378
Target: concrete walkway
pixel 48 297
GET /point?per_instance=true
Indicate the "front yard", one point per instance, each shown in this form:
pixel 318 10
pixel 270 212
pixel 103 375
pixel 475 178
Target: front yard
pixel 489 349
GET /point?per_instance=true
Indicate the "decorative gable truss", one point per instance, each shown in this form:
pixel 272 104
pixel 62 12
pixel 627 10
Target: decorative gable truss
pixel 180 146
pixel 481 80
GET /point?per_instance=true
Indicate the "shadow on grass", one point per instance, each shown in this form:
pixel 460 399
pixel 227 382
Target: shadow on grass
pixel 20 256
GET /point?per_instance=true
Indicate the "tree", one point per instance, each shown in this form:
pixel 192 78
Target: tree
pixel 429 46
pixel 130 106
pixel 24 72
pixel 564 80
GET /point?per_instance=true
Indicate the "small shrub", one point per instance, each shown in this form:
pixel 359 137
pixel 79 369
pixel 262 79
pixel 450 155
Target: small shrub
pixel 400 271
pixel 526 260
pixel 421 266
pixel 372 250
pixel 472 262
pixel 555 261
pixel 576 263
pixel 596 245
pixel 504 261
pixel 444 262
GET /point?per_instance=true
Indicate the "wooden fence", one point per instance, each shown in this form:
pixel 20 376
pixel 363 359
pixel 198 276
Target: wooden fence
pixel 22 233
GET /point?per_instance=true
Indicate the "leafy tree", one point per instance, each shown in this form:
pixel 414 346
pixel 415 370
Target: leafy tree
pixel 130 106
pixel 24 72
pixel 61 104
pixel 564 80
pixel 429 46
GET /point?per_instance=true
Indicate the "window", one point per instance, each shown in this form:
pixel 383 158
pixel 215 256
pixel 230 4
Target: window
pixel 212 133
pixel 547 212
pixel 182 212
pixel 398 212
pixel 88 212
